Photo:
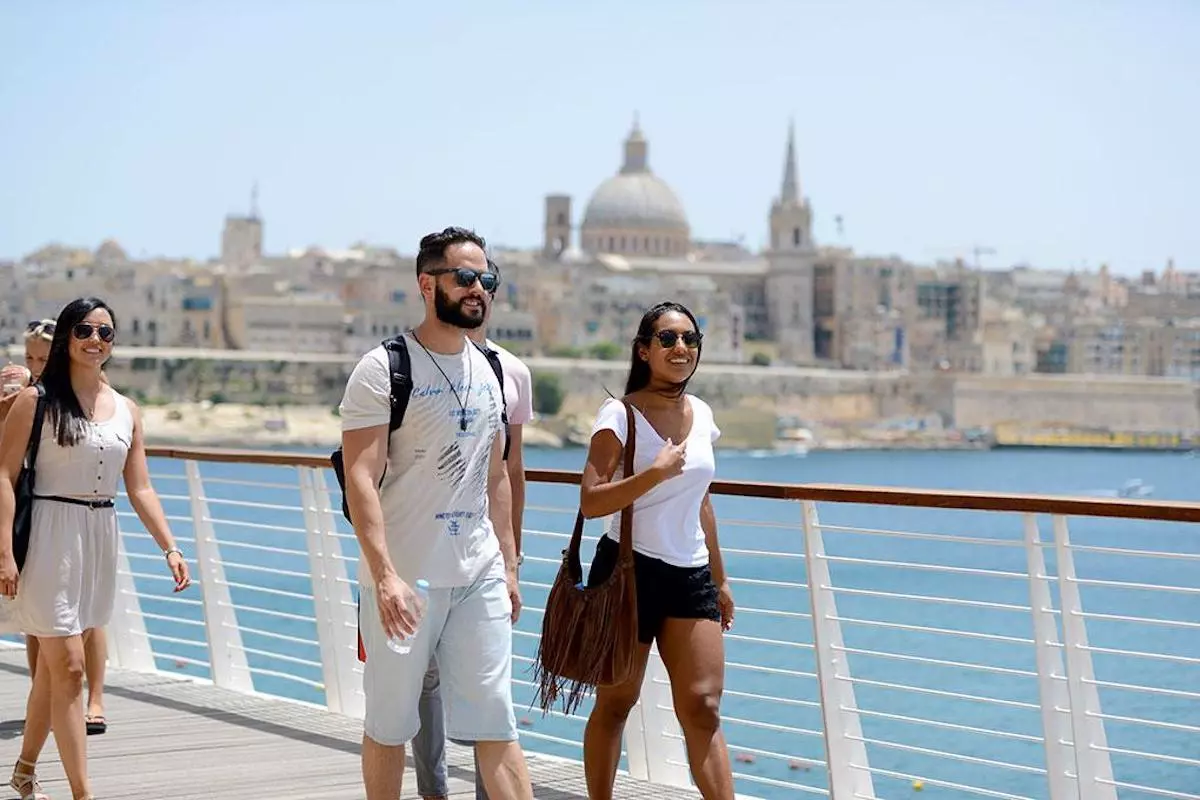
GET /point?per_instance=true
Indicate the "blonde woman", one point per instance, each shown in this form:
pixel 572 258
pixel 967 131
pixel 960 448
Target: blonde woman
pixel 38 336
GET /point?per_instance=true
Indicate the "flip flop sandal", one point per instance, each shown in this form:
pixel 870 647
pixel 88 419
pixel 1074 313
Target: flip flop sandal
pixel 96 724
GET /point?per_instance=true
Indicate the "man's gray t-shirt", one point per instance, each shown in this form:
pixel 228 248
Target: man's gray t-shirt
pixel 434 492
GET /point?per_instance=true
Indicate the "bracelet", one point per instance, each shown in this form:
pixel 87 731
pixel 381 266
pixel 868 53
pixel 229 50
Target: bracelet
pixel 167 553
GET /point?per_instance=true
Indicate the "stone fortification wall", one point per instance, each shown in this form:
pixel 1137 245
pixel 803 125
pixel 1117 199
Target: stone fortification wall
pixel 816 395
pixel 1081 401
pixel 827 395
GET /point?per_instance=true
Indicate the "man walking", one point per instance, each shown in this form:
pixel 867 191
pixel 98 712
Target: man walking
pixel 432 501
pixel 429 746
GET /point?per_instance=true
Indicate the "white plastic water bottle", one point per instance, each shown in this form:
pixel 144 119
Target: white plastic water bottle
pixel 400 643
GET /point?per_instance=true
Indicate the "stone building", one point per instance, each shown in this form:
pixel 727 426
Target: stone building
pixel 633 246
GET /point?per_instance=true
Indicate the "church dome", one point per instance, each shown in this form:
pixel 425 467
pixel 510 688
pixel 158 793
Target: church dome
pixel 635 211
pixel 637 200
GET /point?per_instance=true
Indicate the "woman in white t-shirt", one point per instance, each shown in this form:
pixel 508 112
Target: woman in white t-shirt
pixel 684 602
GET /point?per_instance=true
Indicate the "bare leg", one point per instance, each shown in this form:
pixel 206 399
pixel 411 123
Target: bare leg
pixel 62 658
pixel 383 769
pixel 502 765
pixel 95 661
pixel 693 652
pixel 31 654
pixel 37 724
pixel 605 725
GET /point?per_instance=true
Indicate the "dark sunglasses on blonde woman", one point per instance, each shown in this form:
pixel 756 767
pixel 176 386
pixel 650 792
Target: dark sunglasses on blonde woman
pixel 84 331
pixel 691 339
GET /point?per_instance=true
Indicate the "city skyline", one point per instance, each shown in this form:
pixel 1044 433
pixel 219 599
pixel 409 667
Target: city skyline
pixel 1058 137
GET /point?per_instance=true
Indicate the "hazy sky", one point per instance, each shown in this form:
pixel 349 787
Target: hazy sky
pixel 1065 134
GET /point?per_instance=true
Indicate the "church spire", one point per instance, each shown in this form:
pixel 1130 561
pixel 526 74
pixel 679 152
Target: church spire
pixel 789 192
pixel 636 150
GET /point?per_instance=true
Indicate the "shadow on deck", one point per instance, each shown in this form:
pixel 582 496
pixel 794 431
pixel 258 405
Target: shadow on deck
pixel 172 739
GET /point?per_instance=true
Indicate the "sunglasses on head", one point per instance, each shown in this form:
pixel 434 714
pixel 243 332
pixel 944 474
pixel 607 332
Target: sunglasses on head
pixel 465 278
pixel 691 339
pixel 47 326
pixel 84 331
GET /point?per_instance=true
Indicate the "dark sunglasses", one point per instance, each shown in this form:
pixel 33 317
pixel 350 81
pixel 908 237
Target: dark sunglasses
pixel 84 330
pixel 465 278
pixel 47 327
pixel 691 339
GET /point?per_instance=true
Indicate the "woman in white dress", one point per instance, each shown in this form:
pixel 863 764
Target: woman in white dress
pixel 91 439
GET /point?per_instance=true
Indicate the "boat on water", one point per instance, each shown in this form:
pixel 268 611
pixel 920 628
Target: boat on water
pixel 792 437
pixel 1134 488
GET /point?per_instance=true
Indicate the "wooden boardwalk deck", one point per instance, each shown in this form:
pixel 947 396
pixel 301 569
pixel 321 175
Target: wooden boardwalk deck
pixel 171 739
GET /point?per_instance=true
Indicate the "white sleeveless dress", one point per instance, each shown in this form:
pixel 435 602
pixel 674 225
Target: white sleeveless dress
pixel 69 581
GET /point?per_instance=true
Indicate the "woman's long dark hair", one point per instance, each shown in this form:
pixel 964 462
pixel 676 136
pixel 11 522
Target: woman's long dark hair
pixel 66 414
pixel 639 368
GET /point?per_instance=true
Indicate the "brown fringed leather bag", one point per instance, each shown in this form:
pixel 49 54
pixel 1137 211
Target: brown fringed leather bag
pixel 589 635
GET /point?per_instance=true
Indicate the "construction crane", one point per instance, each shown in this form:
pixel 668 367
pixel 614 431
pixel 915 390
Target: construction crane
pixel 976 250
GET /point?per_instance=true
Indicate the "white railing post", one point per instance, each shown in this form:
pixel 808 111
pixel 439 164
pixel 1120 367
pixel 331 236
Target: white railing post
pixel 1051 677
pixel 663 756
pixel 128 645
pixel 345 611
pixel 225 652
pixel 331 597
pixel 637 755
pixel 845 752
pixel 1092 762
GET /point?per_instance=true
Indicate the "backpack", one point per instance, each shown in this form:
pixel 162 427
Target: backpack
pixel 400 367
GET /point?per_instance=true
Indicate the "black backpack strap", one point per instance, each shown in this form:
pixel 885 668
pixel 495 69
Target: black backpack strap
pixel 35 433
pixel 494 360
pixel 400 367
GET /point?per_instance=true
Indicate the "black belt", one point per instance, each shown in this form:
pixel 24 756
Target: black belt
pixel 103 502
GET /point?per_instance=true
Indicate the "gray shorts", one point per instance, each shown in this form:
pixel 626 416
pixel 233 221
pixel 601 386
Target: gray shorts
pixel 468 630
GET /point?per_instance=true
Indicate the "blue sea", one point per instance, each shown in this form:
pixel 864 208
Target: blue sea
pixel 768 711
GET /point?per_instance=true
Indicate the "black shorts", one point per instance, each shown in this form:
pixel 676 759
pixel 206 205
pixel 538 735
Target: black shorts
pixel 663 590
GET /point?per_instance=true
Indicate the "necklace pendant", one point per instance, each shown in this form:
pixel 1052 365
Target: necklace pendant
pixel 462 423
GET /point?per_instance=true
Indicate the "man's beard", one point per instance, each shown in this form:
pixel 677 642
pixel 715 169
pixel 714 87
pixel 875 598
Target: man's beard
pixel 453 313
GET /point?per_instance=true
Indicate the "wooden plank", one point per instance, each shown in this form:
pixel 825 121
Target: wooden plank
pixel 173 739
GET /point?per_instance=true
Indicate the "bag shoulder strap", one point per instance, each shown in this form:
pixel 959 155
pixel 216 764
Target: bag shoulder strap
pixel 35 432
pixel 400 368
pixel 574 564
pixel 493 358
pixel 626 548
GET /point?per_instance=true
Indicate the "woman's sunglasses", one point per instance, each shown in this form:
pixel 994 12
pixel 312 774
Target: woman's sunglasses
pixel 84 330
pixel 691 339
pixel 465 278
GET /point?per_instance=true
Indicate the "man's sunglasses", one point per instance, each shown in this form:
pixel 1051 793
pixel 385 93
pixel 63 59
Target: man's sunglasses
pixel 84 330
pixel 465 278
pixel 691 339
pixel 46 326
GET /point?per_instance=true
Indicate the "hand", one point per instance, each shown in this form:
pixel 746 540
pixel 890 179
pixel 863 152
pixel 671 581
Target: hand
pixel 514 594
pixel 14 373
pixel 179 570
pixel 8 575
pixel 725 604
pixel 400 608
pixel 669 462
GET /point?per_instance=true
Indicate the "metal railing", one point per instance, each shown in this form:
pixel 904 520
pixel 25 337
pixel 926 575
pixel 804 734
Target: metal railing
pixel 961 644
